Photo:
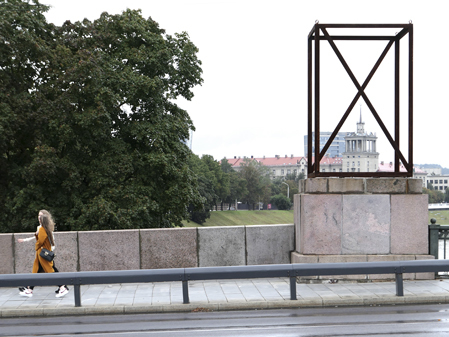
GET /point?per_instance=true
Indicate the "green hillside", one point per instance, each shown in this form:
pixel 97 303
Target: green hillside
pixel 442 217
pixel 243 218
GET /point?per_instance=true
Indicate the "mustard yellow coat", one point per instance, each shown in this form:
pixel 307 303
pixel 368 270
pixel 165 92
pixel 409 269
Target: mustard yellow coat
pixel 42 242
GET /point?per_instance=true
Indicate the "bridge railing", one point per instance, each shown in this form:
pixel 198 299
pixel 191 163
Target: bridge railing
pixel 438 240
pixel 184 275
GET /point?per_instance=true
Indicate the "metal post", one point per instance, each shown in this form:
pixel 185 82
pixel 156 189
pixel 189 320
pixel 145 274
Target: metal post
pixel 77 288
pixel 185 292
pixel 399 285
pixel 434 230
pixel 293 288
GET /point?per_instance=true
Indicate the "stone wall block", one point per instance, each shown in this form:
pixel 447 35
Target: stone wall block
pixel 24 253
pixel 366 224
pixel 339 185
pixel 321 221
pixel 296 217
pixel 414 186
pixel 221 246
pixel 269 244
pixel 386 186
pixel 109 250
pixel 7 254
pixel 409 224
pixel 66 251
pixel 168 248
pixel 316 185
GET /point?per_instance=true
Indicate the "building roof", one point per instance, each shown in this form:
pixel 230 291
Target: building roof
pixel 389 167
pixel 286 160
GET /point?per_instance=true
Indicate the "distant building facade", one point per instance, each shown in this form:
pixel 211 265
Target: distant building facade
pixel 336 148
pixel 360 153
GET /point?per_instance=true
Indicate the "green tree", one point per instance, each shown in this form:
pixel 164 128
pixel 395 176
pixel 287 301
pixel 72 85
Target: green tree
pixel 446 195
pixel 257 177
pixel 237 184
pixel 434 196
pixel 90 130
pixel 281 201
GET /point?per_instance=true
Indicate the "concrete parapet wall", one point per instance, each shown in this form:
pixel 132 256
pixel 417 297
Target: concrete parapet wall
pixel 155 248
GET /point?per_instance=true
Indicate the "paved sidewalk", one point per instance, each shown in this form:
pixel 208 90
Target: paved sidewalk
pixel 217 295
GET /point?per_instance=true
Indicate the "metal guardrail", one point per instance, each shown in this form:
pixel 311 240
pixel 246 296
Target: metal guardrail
pixel 184 275
pixel 438 234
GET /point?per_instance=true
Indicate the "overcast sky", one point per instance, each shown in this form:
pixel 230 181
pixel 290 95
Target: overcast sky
pixel 254 98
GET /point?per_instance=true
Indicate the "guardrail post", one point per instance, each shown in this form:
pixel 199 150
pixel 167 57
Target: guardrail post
pixel 434 230
pixel 77 288
pixel 293 288
pixel 399 285
pixel 185 292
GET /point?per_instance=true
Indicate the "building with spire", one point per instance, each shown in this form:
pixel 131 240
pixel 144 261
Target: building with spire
pixel 360 150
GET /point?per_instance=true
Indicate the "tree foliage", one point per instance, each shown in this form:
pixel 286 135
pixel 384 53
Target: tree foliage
pixel 281 201
pixel 257 177
pixel 88 124
pixel 434 196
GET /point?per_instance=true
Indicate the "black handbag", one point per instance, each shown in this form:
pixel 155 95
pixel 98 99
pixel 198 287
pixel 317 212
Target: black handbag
pixel 47 254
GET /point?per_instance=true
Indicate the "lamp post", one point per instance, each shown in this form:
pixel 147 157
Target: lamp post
pixel 288 189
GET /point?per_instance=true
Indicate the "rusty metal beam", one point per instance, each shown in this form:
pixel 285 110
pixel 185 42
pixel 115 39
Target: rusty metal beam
pixel 314 168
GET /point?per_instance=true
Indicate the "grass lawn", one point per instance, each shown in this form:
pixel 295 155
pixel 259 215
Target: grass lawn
pixel 243 218
pixel 441 216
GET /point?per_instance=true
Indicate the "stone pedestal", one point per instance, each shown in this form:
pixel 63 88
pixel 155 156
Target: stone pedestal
pixel 361 219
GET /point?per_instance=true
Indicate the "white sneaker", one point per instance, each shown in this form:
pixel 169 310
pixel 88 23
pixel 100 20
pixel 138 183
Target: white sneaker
pixel 27 293
pixel 62 292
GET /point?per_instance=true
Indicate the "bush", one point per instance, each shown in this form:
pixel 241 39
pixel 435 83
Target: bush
pixel 281 202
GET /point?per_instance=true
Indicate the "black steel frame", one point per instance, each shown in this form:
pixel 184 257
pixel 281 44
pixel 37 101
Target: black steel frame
pixel 184 275
pixel 314 96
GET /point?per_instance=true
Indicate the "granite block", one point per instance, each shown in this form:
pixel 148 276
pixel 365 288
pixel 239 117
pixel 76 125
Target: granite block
pixel 386 186
pixel 300 258
pixel 297 217
pixel 414 186
pixel 221 246
pixel 409 228
pixel 168 248
pixel 24 253
pixel 321 222
pixel 66 251
pixel 366 224
pixel 109 250
pixel 346 185
pixel 316 185
pixel 7 253
pixel 269 244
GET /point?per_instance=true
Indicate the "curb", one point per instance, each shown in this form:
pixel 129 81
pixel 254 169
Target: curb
pixel 228 306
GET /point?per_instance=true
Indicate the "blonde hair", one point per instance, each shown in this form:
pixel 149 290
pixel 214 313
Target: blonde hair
pixel 46 220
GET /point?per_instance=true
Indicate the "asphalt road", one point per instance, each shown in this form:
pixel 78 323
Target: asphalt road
pixel 422 320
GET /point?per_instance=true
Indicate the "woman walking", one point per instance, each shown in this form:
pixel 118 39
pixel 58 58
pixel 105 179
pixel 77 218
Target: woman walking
pixel 44 239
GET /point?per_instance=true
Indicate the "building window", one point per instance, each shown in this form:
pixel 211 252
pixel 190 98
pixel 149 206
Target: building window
pixel 341 170
pixel 358 170
pixel 431 181
pixel 445 181
pixel 274 172
pixel 441 181
pixel 358 163
pixel 288 171
pixel 333 170
pixel 353 164
pixel 282 172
